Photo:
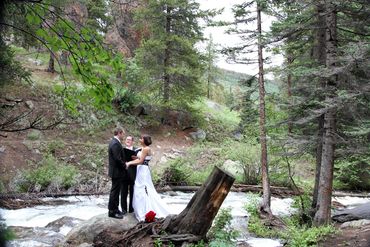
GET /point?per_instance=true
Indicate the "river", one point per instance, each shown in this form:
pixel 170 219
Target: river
pixel 85 207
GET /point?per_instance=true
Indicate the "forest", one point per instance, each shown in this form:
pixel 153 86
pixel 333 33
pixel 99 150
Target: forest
pixel 71 71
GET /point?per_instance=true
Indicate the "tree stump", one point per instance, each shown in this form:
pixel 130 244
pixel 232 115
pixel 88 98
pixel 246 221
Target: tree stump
pixel 197 217
pixel 191 225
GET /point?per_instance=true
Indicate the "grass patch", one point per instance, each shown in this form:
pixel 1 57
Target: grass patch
pixel 295 234
pixel 49 174
pixel 219 122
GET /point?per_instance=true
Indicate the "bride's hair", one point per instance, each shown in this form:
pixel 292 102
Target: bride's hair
pixel 147 140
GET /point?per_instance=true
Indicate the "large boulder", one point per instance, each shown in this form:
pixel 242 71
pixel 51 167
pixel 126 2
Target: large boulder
pixel 357 213
pixel 87 230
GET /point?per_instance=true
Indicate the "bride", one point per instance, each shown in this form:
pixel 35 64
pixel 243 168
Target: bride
pixel 146 197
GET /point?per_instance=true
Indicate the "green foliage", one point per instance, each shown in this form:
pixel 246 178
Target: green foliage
pixel 199 244
pixel 255 224
pixel 302 236
pixel 177 172
pixel 248 155
pixel 295 234
pixel 9 68
pixel 158 242
pixel 352 173
pixel 221 233
pixel 168 53
pixel 49 171
pixel 34 135
pixel 94 157
pixel 92 63
pixel 220 122
pixel 55 145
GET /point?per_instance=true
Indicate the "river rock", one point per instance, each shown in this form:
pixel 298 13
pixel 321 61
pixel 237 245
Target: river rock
pixel 198 135
pixel 355 224
pixel 63 224
pixel 87 230
pixel 233 167
pixel 360 212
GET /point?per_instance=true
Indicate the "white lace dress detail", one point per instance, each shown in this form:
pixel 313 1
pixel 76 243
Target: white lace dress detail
pixel 146 197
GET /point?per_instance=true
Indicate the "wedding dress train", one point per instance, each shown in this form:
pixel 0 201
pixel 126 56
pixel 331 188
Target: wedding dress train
pixel 145 197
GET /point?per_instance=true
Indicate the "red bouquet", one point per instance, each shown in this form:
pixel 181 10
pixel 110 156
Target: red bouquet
pixel 150 216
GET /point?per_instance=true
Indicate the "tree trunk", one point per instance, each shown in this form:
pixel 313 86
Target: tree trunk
pixel 266 197
pixel 289 82
pixel 323 214
pixel 51 67
pixel 319 54
pixel 166 62
pixel 197 217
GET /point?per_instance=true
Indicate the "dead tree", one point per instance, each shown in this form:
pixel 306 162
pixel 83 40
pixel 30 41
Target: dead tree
pixel 191 225
pixel 197 217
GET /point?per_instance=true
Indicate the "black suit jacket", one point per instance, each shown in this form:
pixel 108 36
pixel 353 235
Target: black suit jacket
pixel 117 159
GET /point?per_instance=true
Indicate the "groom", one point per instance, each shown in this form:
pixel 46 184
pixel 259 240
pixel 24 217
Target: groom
pixel 118 173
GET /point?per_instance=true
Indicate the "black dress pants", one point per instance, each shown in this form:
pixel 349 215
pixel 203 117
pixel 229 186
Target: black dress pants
pixel 117 189
pixel 131 190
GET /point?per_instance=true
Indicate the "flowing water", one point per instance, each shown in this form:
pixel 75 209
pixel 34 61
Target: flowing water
pixel 31 221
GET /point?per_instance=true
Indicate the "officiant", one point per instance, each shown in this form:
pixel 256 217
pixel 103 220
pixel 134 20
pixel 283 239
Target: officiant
pixel 131 151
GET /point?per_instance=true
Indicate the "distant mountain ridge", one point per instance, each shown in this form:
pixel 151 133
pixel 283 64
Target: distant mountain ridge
pixel 231 79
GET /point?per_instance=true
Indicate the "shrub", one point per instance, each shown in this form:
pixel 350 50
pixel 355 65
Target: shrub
pixel 48 172
pixel 302 236
pixel 54 145
pixel 255 225
pixel 221 233
pixel 249 156
pixel 176 173
pixel 34 135
pixel 352 174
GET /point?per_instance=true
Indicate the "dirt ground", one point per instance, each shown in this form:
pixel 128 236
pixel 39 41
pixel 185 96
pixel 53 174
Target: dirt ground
pixel 352 237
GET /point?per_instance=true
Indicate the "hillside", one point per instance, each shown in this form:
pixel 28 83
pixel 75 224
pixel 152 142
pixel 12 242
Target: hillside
pixel 231 80
pixel 80 142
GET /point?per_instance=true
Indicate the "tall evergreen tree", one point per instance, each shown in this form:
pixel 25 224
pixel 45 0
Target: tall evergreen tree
pixel 323 62
pixel 253 42
pixel 211 69
pixel 168 53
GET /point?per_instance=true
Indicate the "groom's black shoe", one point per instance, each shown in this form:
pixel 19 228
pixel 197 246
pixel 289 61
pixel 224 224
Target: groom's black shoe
pixel 116 215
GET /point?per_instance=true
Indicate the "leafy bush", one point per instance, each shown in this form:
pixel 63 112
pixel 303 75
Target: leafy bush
pixel 352 174
pixel 255 225
pixel 94 156
pixel 221 233
pixel 298 236
pixel 295 234
pixel 248 154
pixel 48 172
pixel 176 173
pixel 54 145
pixel 34 135
pixel 10 69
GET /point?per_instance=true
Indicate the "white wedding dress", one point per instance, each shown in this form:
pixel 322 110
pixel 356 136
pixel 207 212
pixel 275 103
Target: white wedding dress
pixel 146 197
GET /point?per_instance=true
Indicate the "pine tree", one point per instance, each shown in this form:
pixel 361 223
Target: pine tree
pixel 169 54
pixel 321 66
pixel 242 54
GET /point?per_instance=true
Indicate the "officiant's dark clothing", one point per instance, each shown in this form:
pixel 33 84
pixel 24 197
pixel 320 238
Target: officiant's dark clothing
pixel 117 171
pixel 131 173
